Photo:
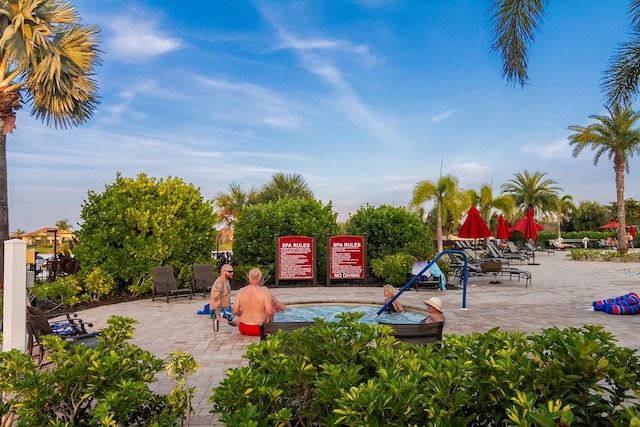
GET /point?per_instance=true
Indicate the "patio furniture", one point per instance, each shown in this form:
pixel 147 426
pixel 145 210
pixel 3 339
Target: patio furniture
pixel 203 278
pixel 417 333
pixel 164 283
pixel 70 328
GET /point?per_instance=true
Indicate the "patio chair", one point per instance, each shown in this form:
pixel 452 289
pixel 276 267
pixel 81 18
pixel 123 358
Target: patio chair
pixel 203 278
pixel 496 252
pixel 417 333
pixel 164 283
pixel 70 328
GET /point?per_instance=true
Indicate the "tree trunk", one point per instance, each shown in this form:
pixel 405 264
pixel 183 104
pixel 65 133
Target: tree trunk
pixel 439 228
pixel 4 198
pixel 623 244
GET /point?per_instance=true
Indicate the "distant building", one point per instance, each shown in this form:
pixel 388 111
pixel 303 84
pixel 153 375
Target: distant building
pixel 45 236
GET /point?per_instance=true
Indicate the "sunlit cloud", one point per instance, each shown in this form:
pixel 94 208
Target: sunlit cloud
pixel 134 40
pixel 559 148
pixel 442 116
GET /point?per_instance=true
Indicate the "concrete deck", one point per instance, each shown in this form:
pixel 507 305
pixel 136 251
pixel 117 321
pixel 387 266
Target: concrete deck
pixel 561 294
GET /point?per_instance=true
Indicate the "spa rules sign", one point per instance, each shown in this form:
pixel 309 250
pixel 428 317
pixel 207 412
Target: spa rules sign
pixel 346 257
pixel 295 257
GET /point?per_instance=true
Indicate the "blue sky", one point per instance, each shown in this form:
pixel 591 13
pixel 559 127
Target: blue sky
pixel 363 98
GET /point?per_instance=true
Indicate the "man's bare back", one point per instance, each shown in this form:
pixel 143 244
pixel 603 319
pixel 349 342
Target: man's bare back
pixel 253 302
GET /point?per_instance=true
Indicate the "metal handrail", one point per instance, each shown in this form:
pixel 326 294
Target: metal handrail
pixel 465 275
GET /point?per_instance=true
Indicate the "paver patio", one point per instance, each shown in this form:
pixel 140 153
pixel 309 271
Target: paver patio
pixel 560 295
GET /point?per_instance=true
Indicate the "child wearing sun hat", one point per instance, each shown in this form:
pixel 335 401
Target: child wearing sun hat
pixel 434 306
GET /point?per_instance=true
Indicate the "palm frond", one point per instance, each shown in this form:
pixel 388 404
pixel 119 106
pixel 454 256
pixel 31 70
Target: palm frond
pixel 514 23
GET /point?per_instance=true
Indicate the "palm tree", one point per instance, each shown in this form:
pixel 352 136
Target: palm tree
pixel 564 209
pixel 533 189
pixel 486 203
pixel 47 60
pixel 63 224
pixel 514 23
pixel 230 206
pixel 444 193
pixel 284 185
pixel 614 135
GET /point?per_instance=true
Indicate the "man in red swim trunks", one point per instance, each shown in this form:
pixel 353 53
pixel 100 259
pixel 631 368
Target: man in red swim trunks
pixel 253 304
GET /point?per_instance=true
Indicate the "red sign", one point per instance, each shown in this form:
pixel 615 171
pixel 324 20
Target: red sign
pixel 295 257
pixel 346 257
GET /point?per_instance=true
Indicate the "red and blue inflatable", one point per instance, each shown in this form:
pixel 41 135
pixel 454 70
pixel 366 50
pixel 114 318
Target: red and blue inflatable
pixel 625 304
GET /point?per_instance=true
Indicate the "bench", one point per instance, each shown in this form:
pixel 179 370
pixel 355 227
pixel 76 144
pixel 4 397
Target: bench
pixel 417 333
pixel 271 328
pixel 411 333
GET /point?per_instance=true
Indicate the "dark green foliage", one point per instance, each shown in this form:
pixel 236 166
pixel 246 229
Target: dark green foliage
pixel 394 269
pixel 105 385
pixel 391 230
pixel 136 224
pixel 353 374
pixel 254 238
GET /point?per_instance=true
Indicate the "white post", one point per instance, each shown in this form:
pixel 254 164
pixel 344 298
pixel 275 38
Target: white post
pixel 15 296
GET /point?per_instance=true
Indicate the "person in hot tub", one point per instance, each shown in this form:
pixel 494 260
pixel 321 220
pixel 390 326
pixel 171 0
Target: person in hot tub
pixel 389 292
pixel 254 305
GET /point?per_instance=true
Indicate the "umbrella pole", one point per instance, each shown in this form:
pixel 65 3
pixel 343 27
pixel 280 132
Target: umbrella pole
pixel 533 245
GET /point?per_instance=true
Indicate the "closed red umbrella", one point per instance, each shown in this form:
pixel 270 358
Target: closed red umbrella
pixel 502 231
pixel 531 228
pixel 632 231
pixel 474 226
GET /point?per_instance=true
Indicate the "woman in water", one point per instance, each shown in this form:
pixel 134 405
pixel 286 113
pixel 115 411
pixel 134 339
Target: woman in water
pixel 389 292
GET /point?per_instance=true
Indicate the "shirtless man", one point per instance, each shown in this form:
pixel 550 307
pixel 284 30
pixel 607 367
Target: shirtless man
pixel 220 300
pixel 253 304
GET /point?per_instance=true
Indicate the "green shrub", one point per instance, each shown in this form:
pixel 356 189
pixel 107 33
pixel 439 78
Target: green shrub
pixel 97 284
pixel 255 230
pixel 391 230
pixel 602 255
pixel 106 385
pixel 394 269
pixel 63 291
pixel 348 373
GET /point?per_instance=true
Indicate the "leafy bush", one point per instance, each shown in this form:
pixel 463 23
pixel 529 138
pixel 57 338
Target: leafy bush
pixel 602 255
pixel 63 291
pixel 394 269
pixel 255 230
pixel 348 373
pixel 391 230
pixel 97 284
pixel 136 224
pixel 106 385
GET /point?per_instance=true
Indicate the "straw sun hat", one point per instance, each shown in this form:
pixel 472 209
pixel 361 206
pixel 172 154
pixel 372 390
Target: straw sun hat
pixel 435 303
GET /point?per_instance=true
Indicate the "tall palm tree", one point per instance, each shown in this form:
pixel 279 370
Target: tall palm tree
pixel 615 136
pixel 230 206
pixel 47 60
pixel 282 185
pixel 486 203
pixel 564 209
pixel 63 224
pixel 444 193
pixel 533 189
pixel 514 24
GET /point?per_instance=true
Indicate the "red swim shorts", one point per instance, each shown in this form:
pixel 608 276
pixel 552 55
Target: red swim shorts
pixel 245 329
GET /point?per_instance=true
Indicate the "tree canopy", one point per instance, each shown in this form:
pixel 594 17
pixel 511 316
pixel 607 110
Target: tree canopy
pixel 136 224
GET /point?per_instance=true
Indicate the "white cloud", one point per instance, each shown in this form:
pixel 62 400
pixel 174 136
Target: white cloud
pixel 138 41
pixel 442 116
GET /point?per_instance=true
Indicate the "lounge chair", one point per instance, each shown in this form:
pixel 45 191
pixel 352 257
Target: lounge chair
pixel 417 333
pixel 164 283
pixel 486 267
pixel 203 278
pixel 70 328
pixel 433 277
pixel 496 252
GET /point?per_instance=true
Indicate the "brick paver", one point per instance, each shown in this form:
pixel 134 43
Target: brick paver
pixel 560 295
